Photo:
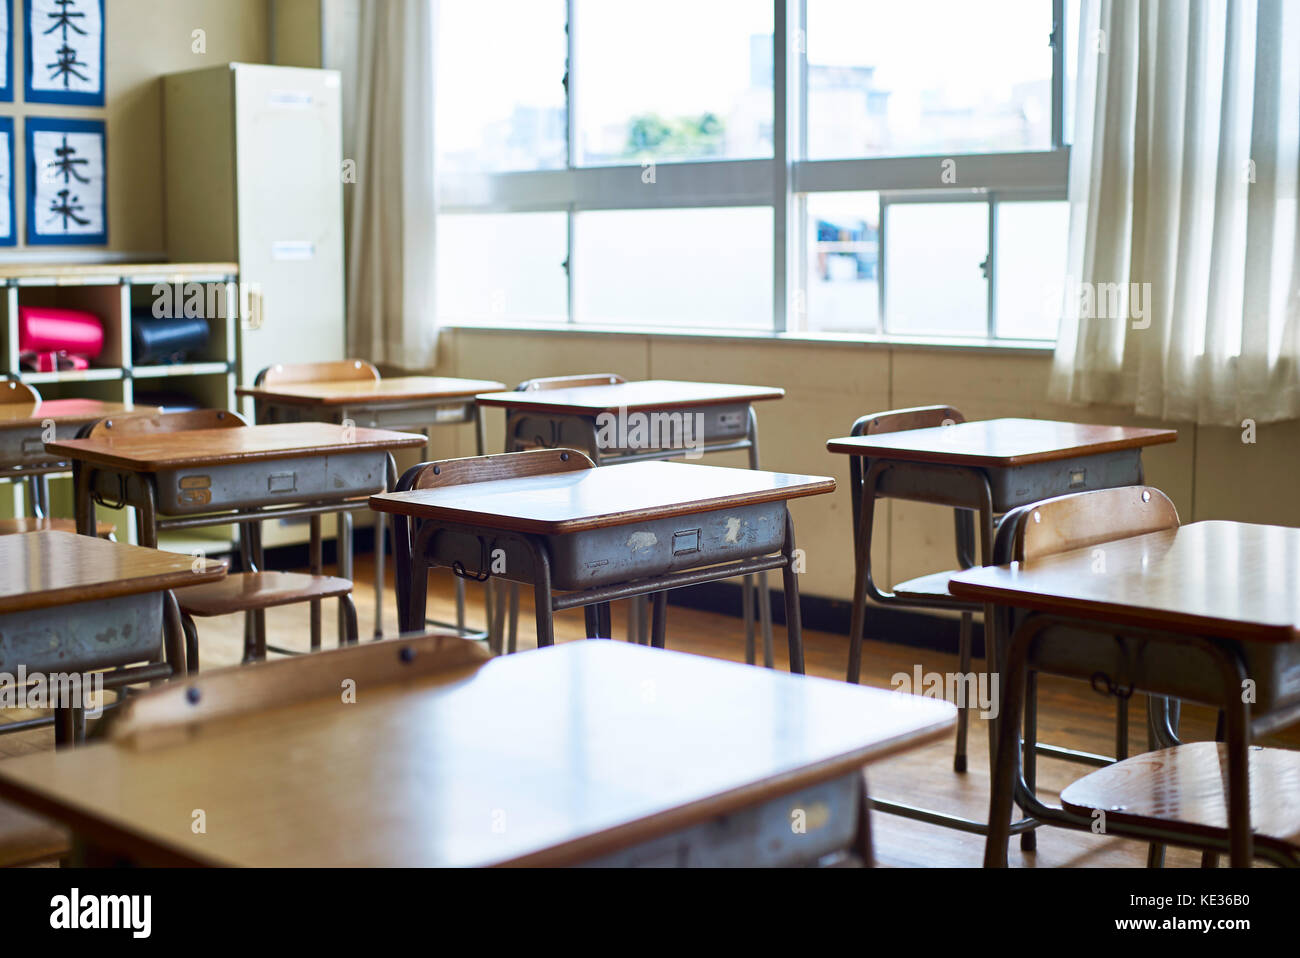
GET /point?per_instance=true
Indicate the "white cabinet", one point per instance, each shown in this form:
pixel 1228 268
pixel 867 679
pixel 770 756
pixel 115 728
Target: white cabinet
pixel 253 173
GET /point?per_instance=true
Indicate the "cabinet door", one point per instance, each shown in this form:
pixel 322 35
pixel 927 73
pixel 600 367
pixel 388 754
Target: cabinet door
pixel 290 212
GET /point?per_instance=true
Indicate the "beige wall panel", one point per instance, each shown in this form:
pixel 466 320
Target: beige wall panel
pixel 1248 482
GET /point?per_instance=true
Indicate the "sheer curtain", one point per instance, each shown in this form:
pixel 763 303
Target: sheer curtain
pixel 1184 270
pixel 392 317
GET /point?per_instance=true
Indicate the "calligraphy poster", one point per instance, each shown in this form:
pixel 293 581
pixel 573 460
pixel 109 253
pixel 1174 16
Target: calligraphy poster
pixel 67 196
pixel 65 51
pixel 6 52
pixel 8 228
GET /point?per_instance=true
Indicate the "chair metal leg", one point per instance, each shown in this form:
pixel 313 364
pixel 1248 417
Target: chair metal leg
pixel 963 714
pixel 348 609
pixel 659 619
pixel 191 644
pixel 381 560
pixel 1029 756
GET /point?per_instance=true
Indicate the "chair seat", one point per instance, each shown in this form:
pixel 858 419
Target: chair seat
pixel 9 527
pixel 26 838
pixel 1183 789
pixel 248 591
pixel 929 588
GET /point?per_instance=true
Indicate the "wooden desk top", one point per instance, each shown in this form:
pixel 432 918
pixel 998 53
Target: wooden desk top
pixel 1000 442
pixel 559 503
pixel 43 569
pixel 573 752
pixel 201 447
pixel 648 394
pixel 67 412
pixel 1228 580
pixel 371 392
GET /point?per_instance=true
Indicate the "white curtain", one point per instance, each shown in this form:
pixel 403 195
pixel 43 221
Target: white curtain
pixel 1183 289
pixel 392 316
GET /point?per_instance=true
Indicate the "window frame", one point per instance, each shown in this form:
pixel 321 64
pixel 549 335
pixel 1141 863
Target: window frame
pixel 782 183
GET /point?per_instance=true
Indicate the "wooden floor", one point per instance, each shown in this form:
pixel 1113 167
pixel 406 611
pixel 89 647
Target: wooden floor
pixel 1070 714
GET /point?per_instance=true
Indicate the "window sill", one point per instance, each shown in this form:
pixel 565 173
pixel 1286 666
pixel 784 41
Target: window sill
pixel 1019 347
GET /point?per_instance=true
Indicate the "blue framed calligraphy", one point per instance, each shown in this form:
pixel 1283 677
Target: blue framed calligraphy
pixel 65 52
pixel 67 178
pixel 8 210
pixel 6 52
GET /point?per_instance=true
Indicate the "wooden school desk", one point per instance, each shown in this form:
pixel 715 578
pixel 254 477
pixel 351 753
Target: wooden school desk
pixel 589 752
pixel 1191 612
pixel 25 427
pixel 407 403
pixel 572 418
pixel 988 467
pixel 598 535
pixel 76 604
pixel 212 477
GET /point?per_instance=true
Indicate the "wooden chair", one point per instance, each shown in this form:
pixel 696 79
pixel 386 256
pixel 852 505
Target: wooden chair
pixel 1064 524
pixel 253 591
pixel 175 710
pixel 333 371
pixel 928 591
pixel 9 527
pixel 570 382
pixel 1181 790
pixel 28 839
pixel 15 391
pixel 451 472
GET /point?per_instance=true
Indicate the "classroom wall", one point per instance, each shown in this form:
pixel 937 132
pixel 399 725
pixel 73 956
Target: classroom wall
pixel 144 40
pixel 1209 472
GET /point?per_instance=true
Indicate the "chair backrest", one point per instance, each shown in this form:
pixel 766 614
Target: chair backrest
pixel 570 382
pixel 166 422
pixel 18 392
pixel 510 465
pixel 901 420
pixel 333 371
pixel 1084 519
pixel 173 710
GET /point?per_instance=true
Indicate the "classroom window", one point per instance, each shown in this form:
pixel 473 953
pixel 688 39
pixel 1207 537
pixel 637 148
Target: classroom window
pixel 697 268
pixel 511 55
pixel 1030 259
pixel 927 77
pixel 502 268
pixel 646 134
pixel 672 80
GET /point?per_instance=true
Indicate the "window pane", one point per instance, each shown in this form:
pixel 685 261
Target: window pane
pixel 672 80
pixel 933 281
pixel 928 77
pixel 506 267
pixel 843 279
pixel 500 85
pixel 1030 268
pixel 702 268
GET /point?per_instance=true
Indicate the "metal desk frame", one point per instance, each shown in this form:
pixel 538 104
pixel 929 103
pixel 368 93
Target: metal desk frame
pixel 414 415
pixel 414 538
pixel 586 440
pixel 982 492
pixel 1223 656
pixel 139 490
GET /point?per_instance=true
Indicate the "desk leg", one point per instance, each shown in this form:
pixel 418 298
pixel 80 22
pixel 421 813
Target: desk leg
pixel 344 541
pixel 862 844
pixel 85 504
pixel 659 621
pixel 759 582
pixel 317 568
pixel 790 580
pixel 542 596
